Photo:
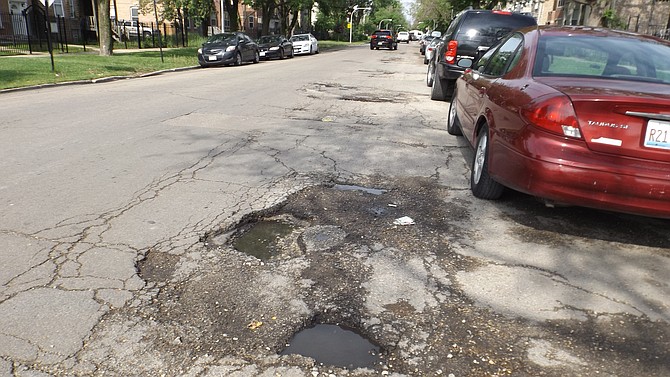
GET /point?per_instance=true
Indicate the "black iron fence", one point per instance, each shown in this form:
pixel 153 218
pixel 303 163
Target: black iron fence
pixel 134 34
pixel 26 32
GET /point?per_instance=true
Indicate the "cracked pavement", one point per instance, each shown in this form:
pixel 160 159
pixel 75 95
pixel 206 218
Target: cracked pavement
pixel 118 216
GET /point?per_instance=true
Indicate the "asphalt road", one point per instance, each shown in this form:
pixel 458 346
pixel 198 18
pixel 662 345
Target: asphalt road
pixel 121 203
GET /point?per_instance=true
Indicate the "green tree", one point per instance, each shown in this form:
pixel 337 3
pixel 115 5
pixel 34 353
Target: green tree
pixel 176 11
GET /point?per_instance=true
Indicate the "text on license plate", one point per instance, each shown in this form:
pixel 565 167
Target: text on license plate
pixel 211 57
pixel 657 135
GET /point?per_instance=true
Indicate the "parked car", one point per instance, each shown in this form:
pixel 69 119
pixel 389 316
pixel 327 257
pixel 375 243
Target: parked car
pixel 383 38
pixel 228 48
pixel 572 115
pixel 403 36
pixel 425 41
pixel 470 34
pixel 428 54
pixel 131 29
pixel 415 35
pixel 305 44
pixel 275 46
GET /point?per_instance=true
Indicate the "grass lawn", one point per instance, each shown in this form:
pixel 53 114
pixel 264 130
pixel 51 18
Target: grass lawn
pixel 21 71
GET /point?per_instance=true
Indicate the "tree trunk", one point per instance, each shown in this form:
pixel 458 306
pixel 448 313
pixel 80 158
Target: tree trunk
pixel 233 14
pixel 105 29
pixel 294 21
pixel 267 10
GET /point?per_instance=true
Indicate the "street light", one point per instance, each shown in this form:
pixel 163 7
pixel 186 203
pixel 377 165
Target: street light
pixel 351 20
pixel 385 19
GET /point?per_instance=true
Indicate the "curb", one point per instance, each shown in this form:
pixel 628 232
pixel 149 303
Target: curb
pixel 96 81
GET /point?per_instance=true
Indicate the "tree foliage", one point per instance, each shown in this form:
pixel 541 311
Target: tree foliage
pixel 334 17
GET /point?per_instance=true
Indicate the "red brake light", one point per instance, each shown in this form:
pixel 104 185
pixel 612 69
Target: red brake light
pixel 555 115
pixel 450 54
pixel 502 12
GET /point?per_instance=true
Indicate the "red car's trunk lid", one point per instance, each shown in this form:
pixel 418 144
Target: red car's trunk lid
pixel 622 117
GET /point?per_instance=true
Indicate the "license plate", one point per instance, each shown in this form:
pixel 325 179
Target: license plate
pixel 657 135
pixel 380 43
pixel 262 53
pixel 211 57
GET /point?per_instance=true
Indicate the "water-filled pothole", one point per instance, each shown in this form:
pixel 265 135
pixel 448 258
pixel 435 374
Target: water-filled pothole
pixel 372 191
pixel 260 239
pixel 334 345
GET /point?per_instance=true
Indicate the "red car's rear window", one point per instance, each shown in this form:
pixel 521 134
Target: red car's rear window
pixel 607 57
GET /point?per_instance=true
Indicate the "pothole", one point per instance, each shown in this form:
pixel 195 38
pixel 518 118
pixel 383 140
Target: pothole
pixel 372 191
pixel 157 266
pixel 260 239
pixel 336 346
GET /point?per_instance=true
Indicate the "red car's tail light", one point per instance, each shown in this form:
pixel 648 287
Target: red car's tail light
pixel 450 54
pixel 554 114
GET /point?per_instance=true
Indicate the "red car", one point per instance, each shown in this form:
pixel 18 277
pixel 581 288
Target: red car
pixel 571 115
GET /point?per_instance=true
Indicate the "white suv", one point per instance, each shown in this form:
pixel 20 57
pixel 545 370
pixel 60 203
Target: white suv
pixel 403 36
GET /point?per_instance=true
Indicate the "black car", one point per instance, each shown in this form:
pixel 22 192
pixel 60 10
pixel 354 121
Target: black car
pixel 228 48
pixel 275 46
pixel 469 35
pixel 383 38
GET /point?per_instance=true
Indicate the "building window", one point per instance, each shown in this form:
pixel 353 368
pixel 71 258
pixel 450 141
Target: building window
pixel 251 22
pixel 58 8
pixel 134 14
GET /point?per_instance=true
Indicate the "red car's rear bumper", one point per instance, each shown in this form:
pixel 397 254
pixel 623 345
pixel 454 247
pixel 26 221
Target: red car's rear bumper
pixel 567 172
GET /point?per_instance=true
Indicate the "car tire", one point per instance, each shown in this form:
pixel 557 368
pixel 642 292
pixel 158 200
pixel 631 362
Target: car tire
pixel 317 50
pixel 372 47
pixel 441 90
pixel 481 184
pixel 281 54
pixel 453 124
pixel 395 46
pixel 238 59
pixel 257 57
pixel 437 91
pixel 292 54
pixel 430 74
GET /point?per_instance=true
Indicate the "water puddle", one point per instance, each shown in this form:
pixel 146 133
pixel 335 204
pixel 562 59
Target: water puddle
pixel 334 345
pixel 359 188
pixel 260 239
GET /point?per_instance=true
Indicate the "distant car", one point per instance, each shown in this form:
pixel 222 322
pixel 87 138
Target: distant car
pixel 423 42
pixel 470 34
pixel 571 115
pixel 130 29
pixel 415 35
pixel 275 46
pixel 304 44
pixel 228 48
pixel 403 36
pixel 384 39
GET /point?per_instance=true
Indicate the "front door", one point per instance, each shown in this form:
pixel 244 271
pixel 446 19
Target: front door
pixel 18 21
